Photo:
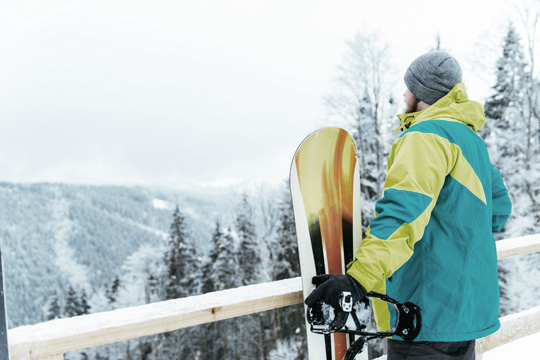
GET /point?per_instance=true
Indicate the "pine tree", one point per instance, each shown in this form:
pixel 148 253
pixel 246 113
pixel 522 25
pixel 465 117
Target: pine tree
pixel 152 287
pixel 73 306
pixel 512 78
pixel 54 307
pixel 210 331
pixel 509 137
pixel 289 321
pixel 227 265
pixel 248 253
pixel 249 261
pixel 504 114
pixel 182 279
pixel 221 271
pixel 180 261
pixel 112 292
pixel 287 265
pixel 84 306
pixel 209 281
pixel 214 349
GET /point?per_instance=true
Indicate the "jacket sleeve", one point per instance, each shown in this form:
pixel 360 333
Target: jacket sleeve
pixel 502 207
pixel 417 168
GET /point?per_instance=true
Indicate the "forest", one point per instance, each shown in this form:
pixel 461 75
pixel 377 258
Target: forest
pixel 238 256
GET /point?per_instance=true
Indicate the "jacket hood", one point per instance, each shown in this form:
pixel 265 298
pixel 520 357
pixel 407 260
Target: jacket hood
pixel 454 106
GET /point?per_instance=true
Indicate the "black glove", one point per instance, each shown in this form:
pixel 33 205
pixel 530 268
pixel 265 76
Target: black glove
pixel 329 290
pixel 330 286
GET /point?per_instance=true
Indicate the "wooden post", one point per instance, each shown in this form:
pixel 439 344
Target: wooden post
pixel 4 349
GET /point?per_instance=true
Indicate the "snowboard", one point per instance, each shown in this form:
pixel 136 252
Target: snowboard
pixel 325 188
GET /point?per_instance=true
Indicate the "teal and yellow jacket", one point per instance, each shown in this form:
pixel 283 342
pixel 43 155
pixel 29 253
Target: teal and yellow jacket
pixel 431 241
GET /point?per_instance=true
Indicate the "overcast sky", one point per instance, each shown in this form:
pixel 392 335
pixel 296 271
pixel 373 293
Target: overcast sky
pixel 181 93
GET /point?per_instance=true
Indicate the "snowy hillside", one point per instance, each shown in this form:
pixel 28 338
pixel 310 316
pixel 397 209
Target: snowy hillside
pixel 59 235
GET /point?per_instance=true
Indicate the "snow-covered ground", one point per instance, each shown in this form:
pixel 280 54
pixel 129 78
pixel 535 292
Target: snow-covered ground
pixel 525 348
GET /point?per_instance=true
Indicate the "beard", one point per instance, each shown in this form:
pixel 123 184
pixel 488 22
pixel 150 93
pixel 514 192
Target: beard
pixel 412 106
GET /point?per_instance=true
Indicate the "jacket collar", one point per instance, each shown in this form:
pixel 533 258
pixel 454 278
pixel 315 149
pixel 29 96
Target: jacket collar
pixel 454 106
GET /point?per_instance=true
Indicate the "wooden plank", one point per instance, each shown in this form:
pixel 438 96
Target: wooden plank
pixel 64 335
pixel 518 246
pixel 513 327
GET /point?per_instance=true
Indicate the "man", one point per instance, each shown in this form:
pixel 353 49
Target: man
pixel 431 242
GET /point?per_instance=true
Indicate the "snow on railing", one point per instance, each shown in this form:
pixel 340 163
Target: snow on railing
pixel 50 340
pixel 59 336
pixel 513 327
pixel 518 246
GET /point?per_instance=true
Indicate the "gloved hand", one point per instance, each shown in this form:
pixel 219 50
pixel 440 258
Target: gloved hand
pixel 329 289
pixel 330 286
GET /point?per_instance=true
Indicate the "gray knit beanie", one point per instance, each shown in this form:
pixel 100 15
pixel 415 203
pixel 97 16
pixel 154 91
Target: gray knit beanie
pixel 431 76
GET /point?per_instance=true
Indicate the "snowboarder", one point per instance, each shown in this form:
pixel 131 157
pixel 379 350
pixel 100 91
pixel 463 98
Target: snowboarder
pixel 431 242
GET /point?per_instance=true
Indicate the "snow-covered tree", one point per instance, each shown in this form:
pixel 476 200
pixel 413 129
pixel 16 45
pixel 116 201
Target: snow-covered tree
pixel 502 107
pixel 180 260
pixel 209 281
pixel 363 99
pixel 249 249
pixel 54 311
pixel 214 349
pixel 84 306
pixel 112 292
pixel 288 321
pixel 220 272
pixel 249 261
pixel 509 136
pixel 181 279
pixel 506 122
pixel 141 276
pixel 528 17
pixel 73 305
pixel 287 262
pixel 227 266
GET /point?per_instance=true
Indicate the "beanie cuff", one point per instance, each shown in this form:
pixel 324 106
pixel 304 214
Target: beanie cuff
pixel 420 91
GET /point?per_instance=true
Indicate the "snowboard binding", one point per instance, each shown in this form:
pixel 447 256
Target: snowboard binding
pixel 354 319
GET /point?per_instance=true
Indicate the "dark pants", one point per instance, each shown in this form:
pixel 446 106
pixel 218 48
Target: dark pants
pixel 427 350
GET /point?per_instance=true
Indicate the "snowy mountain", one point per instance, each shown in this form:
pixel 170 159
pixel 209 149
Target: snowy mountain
pixel 56 235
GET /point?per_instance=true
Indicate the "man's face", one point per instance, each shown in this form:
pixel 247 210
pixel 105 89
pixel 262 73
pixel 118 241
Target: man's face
pixel 411 102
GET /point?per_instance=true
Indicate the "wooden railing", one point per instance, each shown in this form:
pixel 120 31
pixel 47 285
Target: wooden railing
pixel 50 340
